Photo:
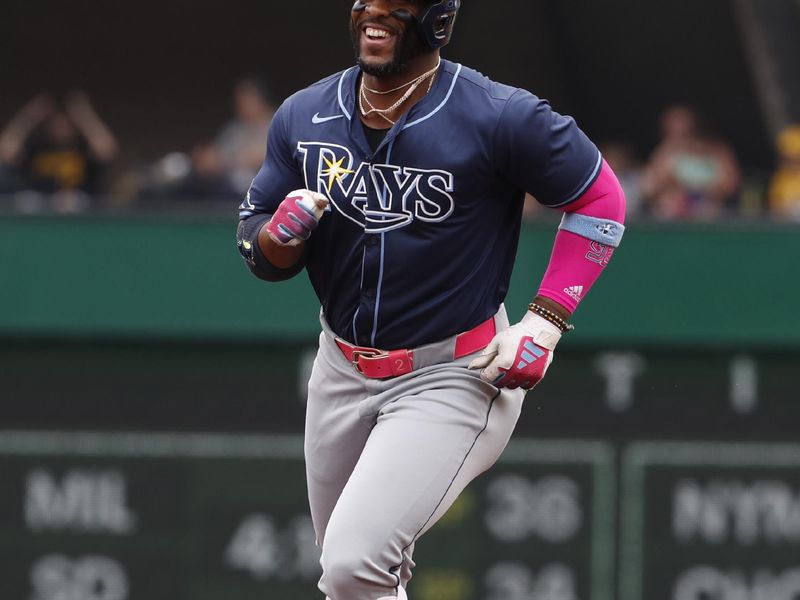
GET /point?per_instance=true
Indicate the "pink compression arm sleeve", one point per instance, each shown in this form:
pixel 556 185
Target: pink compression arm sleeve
pixel 586 240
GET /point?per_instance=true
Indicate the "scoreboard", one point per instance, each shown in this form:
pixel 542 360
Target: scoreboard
pixel 129 516
pixel 578 508
pixel 622 394
pixel 540 525
pixel 704 521
pixel 121 516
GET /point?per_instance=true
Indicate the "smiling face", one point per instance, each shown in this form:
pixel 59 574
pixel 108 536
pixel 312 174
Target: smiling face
pixel 384 42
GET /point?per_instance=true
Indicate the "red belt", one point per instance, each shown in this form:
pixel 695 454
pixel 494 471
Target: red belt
pixel 382 364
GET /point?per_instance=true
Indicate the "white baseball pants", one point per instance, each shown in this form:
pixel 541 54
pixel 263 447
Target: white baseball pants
pixel 385 459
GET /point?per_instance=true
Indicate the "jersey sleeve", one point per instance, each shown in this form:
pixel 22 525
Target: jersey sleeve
pixel 544 153
pixel 279 174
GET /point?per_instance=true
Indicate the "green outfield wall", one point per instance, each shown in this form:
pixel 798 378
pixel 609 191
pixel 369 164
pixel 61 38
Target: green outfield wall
pixel 178 278
pixel 657 461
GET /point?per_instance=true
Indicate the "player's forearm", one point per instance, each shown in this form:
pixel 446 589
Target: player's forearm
pixel 274 244
pixel 265 260
pixel 279 255
pixel 585 243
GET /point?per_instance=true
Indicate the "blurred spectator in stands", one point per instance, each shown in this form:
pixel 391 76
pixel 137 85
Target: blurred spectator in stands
pixel 197 177
pixel 784 189
pixel 57 155
pixel 690 175
pixel 623 160
pixel 207 178
pixel 8 180
pixel 220 171
pixel 242 142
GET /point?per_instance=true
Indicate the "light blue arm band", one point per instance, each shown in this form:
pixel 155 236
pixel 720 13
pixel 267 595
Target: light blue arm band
pixel 605 231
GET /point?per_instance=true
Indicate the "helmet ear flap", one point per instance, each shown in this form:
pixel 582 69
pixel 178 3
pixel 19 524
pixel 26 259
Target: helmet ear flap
pixel 359 6
pixel 438 20
pixel 441 24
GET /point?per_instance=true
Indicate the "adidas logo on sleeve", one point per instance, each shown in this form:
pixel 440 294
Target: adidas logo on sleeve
pixel 575 292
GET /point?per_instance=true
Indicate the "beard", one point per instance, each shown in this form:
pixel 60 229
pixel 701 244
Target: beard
pixel 409 45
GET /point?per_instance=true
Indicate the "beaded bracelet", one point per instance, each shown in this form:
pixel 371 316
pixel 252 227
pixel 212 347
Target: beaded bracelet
pixel 549 315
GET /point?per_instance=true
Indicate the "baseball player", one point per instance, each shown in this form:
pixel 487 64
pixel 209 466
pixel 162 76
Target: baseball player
pixel 398 186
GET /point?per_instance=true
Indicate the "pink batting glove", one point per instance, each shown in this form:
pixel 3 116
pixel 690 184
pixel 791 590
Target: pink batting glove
pixel 297 216
pixel 520 355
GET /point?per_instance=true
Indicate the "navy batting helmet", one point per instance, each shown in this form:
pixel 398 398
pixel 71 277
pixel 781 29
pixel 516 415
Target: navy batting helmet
pixel 435 22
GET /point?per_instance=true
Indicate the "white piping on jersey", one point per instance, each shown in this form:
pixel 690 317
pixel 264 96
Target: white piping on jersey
pixel 355 333
pixel 407 125
pixel 383 259
pixel 441 105
pixel 383 235
pixel 589 181
pixel 378 292
pixel 341 99
pixel 360 287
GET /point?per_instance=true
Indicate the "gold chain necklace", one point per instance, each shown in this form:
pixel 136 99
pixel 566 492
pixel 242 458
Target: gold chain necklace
pixel 422 77
pixel 383 112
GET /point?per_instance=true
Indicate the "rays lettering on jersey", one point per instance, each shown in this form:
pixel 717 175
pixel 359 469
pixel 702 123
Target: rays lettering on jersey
pixel 403 193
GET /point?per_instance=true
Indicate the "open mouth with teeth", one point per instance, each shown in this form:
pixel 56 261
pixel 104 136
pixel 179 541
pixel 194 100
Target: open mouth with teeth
pixel 377 35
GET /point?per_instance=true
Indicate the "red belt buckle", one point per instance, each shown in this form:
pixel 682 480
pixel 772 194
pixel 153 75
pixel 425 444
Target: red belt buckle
pixel 358 353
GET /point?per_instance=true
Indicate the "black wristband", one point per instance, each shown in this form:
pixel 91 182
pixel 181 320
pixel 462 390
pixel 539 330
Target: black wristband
pixel 249 248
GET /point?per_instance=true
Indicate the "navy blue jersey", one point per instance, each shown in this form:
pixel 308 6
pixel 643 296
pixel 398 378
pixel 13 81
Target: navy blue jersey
pixel 420 238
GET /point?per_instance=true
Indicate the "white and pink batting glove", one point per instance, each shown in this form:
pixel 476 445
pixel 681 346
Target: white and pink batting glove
pixel 297 216
pixel 520 355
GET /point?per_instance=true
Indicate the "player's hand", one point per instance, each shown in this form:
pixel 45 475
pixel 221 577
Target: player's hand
pixel 297 216
pixel 520 355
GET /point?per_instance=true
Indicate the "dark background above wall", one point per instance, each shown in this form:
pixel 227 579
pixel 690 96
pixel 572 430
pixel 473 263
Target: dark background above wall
pixel 168 67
